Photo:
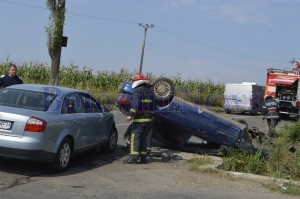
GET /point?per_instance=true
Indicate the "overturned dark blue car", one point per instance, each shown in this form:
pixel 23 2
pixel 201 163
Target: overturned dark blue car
pixel 176 121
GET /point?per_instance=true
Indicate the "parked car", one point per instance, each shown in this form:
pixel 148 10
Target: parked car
pixel 177 120
pixel 51 124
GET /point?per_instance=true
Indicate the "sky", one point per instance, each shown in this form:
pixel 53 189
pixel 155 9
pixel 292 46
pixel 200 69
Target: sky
pixel 223 41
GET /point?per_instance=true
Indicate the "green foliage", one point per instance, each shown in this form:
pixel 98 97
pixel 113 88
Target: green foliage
pixel 104 85
pixel 245 162
pixel 200 160
pixel 218 109
pixel 295 165
pixel 292 133
pixel 196 163
pixel 284 160
pixel 56 25
pixel 208 93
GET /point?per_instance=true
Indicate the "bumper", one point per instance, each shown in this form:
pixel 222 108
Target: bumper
pixel 23 154
pixel 26 148
pixel 239 107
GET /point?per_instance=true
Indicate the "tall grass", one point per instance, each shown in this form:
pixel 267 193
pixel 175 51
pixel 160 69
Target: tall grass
pixel 100 83
pixel 283 160
pixel 245 162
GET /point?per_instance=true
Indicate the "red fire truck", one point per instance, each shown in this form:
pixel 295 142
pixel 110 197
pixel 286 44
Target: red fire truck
pixel 283 85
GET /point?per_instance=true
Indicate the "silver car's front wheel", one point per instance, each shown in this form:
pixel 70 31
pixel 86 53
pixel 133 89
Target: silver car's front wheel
pixel 111 143
pixel 63 156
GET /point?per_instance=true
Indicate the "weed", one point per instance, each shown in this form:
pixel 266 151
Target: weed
pixel 196 163
pixel 245 162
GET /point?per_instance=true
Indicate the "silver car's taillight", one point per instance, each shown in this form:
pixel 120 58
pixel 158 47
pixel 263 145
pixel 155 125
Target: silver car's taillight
pixel 35 124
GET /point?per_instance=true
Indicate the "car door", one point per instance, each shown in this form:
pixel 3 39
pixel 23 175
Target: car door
pixel 98 123
pixel 74 116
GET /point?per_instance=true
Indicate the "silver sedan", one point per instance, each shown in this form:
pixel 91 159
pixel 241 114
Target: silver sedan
pixel 51 124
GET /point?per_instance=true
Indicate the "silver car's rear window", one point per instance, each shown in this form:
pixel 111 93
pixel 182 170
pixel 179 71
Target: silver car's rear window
pixel 31 100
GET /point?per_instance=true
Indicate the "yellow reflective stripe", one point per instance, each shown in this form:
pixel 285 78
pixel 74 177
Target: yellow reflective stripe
pixel 146 100
pixel 132 110
pixel 142 120
pixel 144 153
pixel 132 152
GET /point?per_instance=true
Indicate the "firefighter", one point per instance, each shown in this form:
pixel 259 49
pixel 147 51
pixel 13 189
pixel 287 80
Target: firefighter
pixel 141 115
pixel 270 112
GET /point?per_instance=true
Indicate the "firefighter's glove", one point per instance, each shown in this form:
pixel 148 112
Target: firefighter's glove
pixel 129 118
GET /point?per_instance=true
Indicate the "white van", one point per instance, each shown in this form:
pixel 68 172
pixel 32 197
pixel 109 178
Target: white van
pixel 244 97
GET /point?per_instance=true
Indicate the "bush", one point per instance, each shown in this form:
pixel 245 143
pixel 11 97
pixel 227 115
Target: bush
pixel 283 160
pixel 285 155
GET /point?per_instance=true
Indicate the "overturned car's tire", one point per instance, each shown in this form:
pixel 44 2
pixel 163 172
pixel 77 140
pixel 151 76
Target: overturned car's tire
pixel 163 89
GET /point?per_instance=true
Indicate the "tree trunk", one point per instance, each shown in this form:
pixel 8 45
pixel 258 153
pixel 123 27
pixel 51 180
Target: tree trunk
pixel 54 72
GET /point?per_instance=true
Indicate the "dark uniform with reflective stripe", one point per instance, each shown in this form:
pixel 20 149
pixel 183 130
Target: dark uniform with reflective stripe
pixel 7 80
pixel 142 113
pixel 270 111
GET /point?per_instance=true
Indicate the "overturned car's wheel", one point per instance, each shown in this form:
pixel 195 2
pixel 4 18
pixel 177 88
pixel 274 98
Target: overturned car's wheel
pixel 63 156
pixel 163 89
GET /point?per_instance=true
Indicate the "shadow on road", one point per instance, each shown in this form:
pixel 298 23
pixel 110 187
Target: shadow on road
pixel 80 163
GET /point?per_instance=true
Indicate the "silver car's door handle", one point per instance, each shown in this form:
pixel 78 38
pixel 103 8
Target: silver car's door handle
pixel 75 121
pixel 97 119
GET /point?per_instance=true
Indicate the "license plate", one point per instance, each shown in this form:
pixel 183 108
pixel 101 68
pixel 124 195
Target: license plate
pixel 5 125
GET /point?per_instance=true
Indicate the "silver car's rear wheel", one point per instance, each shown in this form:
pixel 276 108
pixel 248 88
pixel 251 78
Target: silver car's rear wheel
pixel 63 156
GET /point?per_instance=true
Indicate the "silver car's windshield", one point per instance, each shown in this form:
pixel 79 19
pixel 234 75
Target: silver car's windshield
pixel 31 100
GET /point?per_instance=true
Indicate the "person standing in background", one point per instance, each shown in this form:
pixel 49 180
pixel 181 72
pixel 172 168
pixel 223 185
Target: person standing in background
pixel 11 78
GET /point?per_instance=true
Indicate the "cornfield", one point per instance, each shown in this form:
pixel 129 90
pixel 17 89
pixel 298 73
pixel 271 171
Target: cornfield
pixel 106 83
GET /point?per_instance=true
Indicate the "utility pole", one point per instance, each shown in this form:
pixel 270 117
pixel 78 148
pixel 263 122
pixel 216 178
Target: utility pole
pixel 145 26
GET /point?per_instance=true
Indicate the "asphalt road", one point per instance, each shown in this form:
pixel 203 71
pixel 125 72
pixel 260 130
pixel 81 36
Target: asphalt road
pixel 98 175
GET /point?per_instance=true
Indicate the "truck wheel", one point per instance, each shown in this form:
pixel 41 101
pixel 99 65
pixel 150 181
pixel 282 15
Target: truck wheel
pixel 63 156
pixel 227 111
pixel 163 90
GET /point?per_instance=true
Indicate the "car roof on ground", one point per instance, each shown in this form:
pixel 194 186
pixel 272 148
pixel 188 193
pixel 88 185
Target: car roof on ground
pixel 45 88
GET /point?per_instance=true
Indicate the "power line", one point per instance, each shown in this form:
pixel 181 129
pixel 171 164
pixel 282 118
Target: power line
pixel 162 30
pixel 23 4
pixel 72 13
pixel 102 18
pixel 159 29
